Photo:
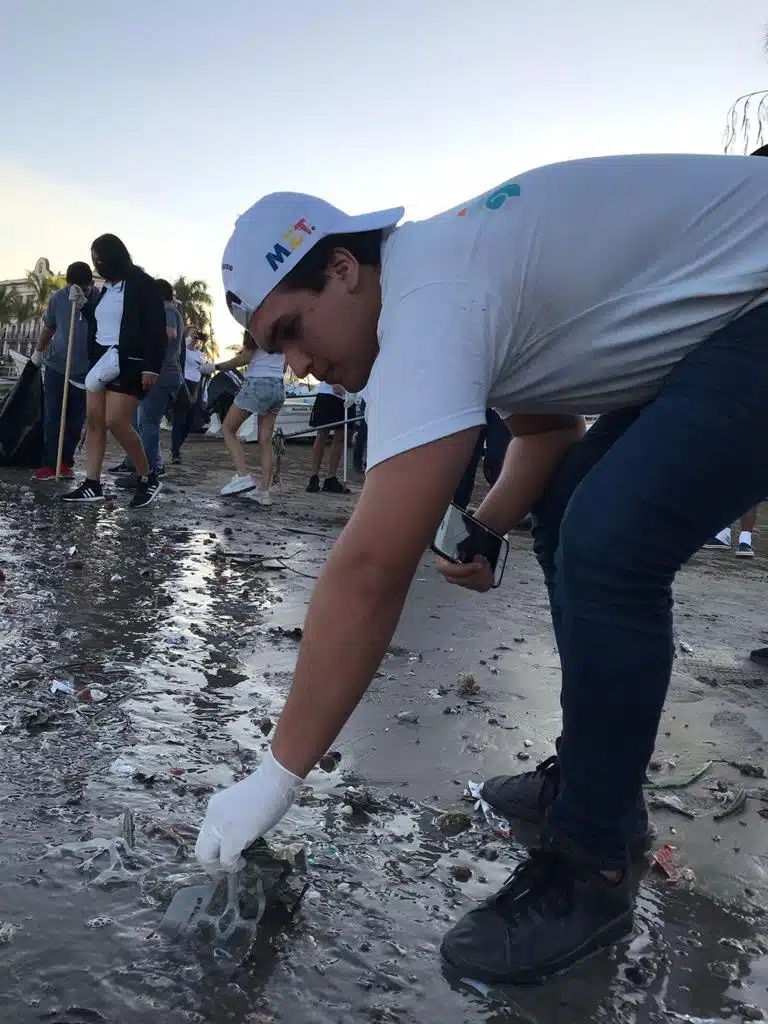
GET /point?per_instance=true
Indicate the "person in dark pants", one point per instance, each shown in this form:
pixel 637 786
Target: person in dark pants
pixel 328 409
pixel 361 442
pixel 52 351
pixel 491 448
pixel 635 287
pixel 192 362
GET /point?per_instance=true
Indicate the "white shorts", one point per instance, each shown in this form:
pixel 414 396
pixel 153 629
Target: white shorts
pixel 103 371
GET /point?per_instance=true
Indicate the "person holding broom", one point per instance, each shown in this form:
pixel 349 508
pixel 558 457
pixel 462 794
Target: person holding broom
pixel 51 352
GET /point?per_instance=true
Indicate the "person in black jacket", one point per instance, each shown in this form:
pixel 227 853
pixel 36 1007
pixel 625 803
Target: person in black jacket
pixel 126 346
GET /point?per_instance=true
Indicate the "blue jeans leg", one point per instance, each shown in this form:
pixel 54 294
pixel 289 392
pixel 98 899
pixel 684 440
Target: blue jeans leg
pixel 694 458
pixel 53 386
pixel 151 412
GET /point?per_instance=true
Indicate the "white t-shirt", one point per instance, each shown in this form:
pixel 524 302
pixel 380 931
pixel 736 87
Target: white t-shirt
pixel 266 364
pixel 109 315
pixel 573 288
pixel 192 363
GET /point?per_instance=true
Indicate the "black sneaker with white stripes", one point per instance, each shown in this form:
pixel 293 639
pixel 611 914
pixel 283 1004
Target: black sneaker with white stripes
pixel 147 489
pixel 89 491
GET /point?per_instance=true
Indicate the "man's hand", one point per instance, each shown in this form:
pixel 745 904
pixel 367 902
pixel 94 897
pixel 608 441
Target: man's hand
pixel 77 296
pixel 148 381
pixel 37 357
pixel 475 575
pixel 243 813
pixel 207 369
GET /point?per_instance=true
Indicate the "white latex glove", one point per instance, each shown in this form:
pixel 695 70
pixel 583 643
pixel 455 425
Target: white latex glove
pixel 207 369
pixel 77 296
pixel 242 813
pixel 349 401
pixel 36 358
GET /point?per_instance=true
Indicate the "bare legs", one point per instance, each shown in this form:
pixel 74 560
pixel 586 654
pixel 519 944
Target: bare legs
pixel 266 428
pixel 234 419
pixel 119 415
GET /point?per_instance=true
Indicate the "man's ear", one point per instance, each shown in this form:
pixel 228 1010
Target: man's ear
pixel 343 266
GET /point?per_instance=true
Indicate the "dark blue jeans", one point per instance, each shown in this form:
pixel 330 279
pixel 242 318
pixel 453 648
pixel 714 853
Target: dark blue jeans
pixel 53 397
pixel 629 505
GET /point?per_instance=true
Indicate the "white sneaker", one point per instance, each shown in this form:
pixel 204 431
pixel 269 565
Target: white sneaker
pixel 261 497
pixel 238 484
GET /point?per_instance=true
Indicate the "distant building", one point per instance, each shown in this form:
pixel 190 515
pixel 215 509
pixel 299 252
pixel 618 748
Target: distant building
pixel 22 337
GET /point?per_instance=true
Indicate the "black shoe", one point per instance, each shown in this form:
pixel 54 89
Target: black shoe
pixel 745 550
pixel 129 482
pixel 551 912
pixel 175 458
pixel 121 467
pixel 89 491
pixel 715 544
pixel 147 489
pixel 314 484
pixel 161 471
pixel 760 656
pixel 332 485
pixel 528 797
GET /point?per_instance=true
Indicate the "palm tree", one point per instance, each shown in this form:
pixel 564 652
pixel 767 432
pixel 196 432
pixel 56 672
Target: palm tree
pixel 6 304
pixel 746 123
pixel 24 308
pixel 43 286
pixel 195 302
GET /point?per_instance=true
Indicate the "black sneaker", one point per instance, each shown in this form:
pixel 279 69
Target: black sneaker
pixel 147 489
pixel 129 482
pixel 175 458
pixel 760 656
pixel 553 911
pixel 745 550
pixel 89 491
pixel 314 484
pixel 715 544
pixel 161 471
pixel 332 485
pixel 528 797
pixel 121 467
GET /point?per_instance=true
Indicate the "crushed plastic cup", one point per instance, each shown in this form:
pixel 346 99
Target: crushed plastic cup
pixel 57 686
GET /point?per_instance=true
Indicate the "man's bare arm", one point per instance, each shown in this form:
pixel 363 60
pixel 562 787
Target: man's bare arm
pixel 359 597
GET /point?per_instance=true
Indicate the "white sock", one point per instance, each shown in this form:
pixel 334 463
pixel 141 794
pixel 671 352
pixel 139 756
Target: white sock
pixel 725 536
pixel 745 537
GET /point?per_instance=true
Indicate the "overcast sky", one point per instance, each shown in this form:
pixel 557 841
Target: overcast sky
pixel 161 121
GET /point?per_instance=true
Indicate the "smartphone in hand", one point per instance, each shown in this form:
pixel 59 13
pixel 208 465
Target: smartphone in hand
pixel 460 537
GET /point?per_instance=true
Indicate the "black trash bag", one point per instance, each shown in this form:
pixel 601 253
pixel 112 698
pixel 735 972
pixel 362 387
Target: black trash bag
pixel 21 421
pixel 222 390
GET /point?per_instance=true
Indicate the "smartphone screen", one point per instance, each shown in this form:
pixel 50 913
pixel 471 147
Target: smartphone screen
pixel 460 537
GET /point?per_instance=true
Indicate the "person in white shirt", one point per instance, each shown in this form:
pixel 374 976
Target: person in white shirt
pixel 262 395
pixel 635 287
pixel 328 409
pixel 193 362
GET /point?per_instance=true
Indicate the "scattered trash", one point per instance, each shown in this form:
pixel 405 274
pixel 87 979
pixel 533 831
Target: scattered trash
pixel 72 551
pixel 453 823
pixel 33 721
pixel 724 970
pixel 664 862
pixel 523 756
pixel 124 769
pixel 527 743
pixel 671 803
pixel 100 922
pixel 467 685
pixel 330 762
pixel 441 691
pixel 680 781
pixel 7 933
pixel 461 873
pixel 409 717
pixel 451 711
pixel 57 686
pixel 688 1018
pixel 266 725
pixel 736 803
pixel 359 798
pixel 752 771
pixel 685 648
pixel 117 578
pixel 292 633
pixel 91 695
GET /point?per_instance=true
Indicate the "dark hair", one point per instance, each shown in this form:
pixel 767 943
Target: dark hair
pixel 80 274
pixel 249 342
pixel 763 151
pixel 113 252
pixel 165 288
pixel 309 274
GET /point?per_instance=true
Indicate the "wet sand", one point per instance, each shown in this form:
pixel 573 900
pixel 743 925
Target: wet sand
pixel 191 649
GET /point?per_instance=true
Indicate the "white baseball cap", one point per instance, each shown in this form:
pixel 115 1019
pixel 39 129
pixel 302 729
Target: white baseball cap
pixel 272 236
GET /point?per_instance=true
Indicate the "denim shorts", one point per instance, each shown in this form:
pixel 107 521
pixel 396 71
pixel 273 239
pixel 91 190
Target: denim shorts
pixel 261 395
